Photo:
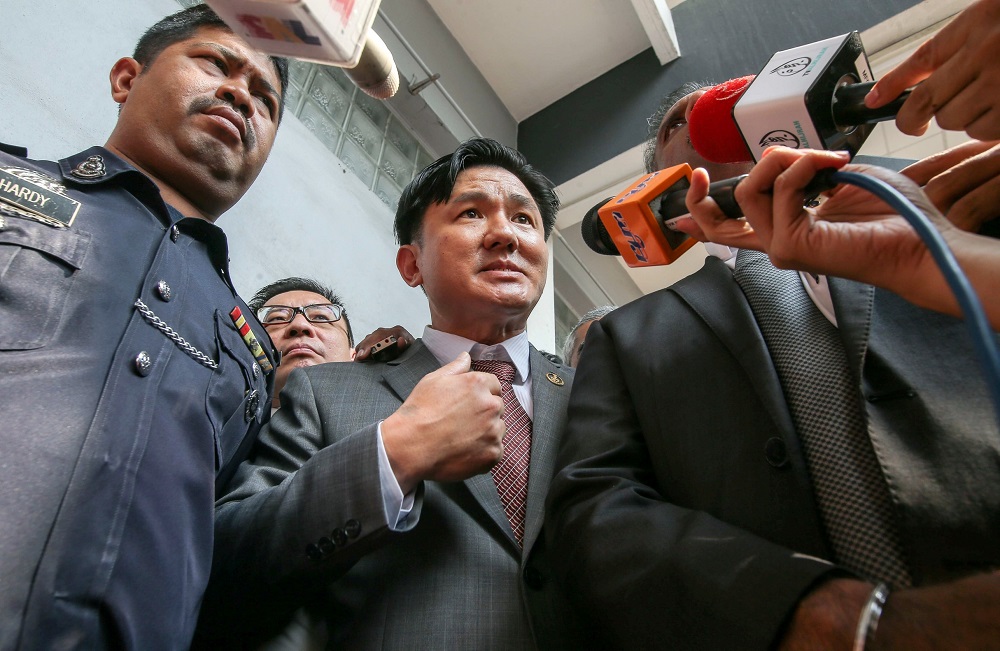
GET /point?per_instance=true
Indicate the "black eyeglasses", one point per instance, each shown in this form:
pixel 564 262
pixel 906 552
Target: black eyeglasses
pixel 280 314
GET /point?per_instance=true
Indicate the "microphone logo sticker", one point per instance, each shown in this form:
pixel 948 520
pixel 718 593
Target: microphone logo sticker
pixel 792 67
pixel 780 137
pixel 635 242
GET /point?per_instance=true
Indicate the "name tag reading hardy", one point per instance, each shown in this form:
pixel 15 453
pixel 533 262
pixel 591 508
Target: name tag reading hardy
pixel 40 202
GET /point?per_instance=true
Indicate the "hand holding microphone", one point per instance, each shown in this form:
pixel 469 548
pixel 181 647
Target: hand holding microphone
pixel 959 72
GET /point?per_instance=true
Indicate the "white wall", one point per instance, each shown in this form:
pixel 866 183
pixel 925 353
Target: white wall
pixel 306 214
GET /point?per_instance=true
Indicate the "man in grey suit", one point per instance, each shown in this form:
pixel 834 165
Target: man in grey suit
pixel 694 508
pixel 370 496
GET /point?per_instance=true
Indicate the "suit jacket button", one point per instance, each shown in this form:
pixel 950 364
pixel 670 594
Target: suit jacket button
pixel 776 452
pixel 353 528
pixel 313 552
pixel 339 536
pixel 533 578
pixel 326 545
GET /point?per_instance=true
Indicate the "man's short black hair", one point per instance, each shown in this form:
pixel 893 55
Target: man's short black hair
pixel 183 25
pixel 435 183
pixel 654 120
pixel 295 284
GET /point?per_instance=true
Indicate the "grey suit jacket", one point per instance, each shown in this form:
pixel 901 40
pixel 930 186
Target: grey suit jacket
pixel 684 514
pixel 305 523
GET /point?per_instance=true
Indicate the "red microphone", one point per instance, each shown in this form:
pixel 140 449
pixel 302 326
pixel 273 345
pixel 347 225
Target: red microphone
pixel 810 97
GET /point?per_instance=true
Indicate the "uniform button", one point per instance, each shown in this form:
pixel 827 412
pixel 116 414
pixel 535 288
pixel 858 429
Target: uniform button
pixel 776 452
pixel 353 528
pixel 163 289
pixel 252 403
pixel 313 552
pixel 326 545
pixel 339 537
pixel 255 370
pixel 143 363
pixel 174 233
pixel 533 578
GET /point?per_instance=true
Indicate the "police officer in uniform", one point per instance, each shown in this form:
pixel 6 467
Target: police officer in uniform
pixel 133 377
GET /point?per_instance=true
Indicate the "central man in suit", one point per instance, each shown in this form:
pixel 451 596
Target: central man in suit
pixel 403 501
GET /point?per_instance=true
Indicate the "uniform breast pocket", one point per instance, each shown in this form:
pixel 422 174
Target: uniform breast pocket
pixel 237 395
pixel 38 266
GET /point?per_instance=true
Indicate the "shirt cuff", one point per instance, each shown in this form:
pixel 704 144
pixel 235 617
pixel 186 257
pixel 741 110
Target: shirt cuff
pixel 396 505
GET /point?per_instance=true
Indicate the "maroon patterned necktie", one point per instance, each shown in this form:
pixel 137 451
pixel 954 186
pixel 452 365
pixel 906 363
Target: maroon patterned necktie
pixel 511 473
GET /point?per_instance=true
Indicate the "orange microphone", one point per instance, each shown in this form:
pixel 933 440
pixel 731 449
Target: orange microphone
pixel 633 224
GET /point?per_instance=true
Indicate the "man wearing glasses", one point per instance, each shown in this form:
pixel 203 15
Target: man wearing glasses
pixel 307 323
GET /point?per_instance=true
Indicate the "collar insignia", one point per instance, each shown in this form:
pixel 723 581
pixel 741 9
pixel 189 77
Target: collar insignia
pixel 92 168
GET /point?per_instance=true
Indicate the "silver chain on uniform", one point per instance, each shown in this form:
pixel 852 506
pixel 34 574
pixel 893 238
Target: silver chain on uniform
pixel 182 343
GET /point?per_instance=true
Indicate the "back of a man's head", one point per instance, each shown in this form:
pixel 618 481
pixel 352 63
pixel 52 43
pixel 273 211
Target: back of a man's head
pixel 183 25
pixel 435 183
pixel 574 340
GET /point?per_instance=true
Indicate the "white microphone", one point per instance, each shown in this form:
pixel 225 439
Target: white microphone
pixel 333 33
pixel 811 97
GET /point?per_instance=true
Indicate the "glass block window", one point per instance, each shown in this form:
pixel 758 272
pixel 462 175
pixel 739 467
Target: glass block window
pixel 361 131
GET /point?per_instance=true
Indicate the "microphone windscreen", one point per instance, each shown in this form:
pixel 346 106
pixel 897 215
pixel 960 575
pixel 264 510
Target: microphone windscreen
pixel 595 236
pixel 711 127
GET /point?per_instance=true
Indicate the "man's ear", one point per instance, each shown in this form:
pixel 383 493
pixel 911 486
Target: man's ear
pixel 123 75
pixel 408 265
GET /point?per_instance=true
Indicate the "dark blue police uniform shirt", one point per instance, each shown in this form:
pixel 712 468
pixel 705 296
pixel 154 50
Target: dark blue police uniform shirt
pixel 112 435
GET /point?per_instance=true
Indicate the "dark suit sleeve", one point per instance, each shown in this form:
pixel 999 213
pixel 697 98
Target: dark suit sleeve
pixel 300 513
pixel 626 522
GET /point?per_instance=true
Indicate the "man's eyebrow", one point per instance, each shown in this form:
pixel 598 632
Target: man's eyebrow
pixel 241 62
pixel 517 199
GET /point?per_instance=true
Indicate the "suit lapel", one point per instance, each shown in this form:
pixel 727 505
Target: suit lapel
pixel 403 373
pixel 715 297
pixel 549 401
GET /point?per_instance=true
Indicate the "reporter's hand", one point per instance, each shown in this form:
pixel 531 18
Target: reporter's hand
pixel 962 182
pixel 707 222
pixel 960 71
pixel 403 341
pixel 852 234
pixel 450 427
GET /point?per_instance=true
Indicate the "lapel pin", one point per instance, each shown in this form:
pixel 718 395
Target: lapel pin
pixel 555 379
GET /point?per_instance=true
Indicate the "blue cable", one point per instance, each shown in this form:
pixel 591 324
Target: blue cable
pixel 978 326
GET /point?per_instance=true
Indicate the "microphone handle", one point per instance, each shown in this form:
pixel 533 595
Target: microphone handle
pixel 849 108
pixel 672 203
pixel 724 194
